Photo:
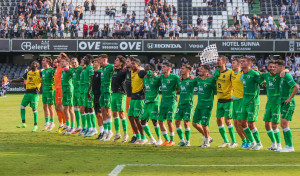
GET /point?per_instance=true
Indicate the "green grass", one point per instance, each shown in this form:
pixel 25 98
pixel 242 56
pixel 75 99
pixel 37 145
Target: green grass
pixel 42 153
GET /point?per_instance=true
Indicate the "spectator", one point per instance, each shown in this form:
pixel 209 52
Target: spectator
pixel 107 11
pixel 86 5
pixel 286 32
pixel 133 15
pixel 297 15
pixel 26 70
pixel 177 30
pixel 152 60
pixel 118 17
pixel 124 8
pixel 174 10
pixel 210 22
pixel 297 59
pixel 297 75
pixel 91 31
pixel 221 3
pixel 112 12
pixel 85 30
pixel 196 31
pixel 189 31
pixel 294 30
pixel 93 7
pixel 199 21
pixel 96 30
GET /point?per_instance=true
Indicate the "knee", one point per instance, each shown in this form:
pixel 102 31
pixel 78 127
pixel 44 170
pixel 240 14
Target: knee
pixel 274 126
pixel 177 122
pixel 228 122
pixel 195 125
pixel 219 121
pixel 251 126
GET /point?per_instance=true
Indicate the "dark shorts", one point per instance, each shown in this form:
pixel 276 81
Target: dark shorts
pixel 97 104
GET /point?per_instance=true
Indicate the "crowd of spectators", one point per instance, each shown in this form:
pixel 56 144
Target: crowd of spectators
pixel 158 22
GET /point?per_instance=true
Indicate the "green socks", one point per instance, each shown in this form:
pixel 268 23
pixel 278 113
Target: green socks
pixel 249 135
pixel 256 135
pixel 271 135
pixel 244 140
pixel 166 136
pixel 180 133
pixel 188 134
pixel 23 112
pixel 83 119
pixel 124 124
pixel 223 133
pixel 88 121
pixel 51 120
pixel 72 124
pixel 93 119
pixel 117 124
pixel 277 135
pixel 231 133
pixel 138 136
pixel 35 117
pixel 147 130
pixel 47 119
pixel 78 117
pixel 109 124
pixel 68 123
pixel 288 137
pixel 157 131
pixel 172 136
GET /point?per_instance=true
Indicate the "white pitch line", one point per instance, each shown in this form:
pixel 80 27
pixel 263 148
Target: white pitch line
pixel 118 169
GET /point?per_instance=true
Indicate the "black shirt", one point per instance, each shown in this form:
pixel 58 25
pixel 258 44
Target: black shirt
pixel 118 81
pixel 128 83
pixel 96 82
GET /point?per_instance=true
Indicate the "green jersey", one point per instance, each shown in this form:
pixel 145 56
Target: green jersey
pixel 151 84
pixel 82 85
pixel 286 86
pixel 87 77
pixel 47 78
pixel 186 90
pixel 251 81
pixel 106 76
pixel 76 78
pixel 205 90
pixel 273 85
pixel 66 78
pixel 169 85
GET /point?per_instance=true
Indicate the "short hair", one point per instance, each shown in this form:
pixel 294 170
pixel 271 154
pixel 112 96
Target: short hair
pixel 89 57
pixel 138 61
pixel 249 59
pixel 66 59
pixel 122 59
pixel 187 66
pixel 37 63
pixel 206 67
pixel 168 64
pixel 271 62
pixel 104 56
pixel 280 62
pixel 4 74
pixel 224 58
pixel 130 57
pixel 63 55
pixel 237 59
pixel 152 65
pixel 74 58
pixel 49 59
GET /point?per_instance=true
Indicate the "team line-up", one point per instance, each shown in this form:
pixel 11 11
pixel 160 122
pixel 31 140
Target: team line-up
pixel 88 93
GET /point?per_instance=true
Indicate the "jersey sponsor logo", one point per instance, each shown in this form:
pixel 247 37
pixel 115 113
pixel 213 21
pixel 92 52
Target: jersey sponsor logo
pixel 248 76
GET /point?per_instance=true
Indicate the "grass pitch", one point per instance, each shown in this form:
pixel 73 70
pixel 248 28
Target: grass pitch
pixel 48 153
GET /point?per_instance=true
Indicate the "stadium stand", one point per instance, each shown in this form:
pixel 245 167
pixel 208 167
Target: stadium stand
pixel 12 71
pixel 223 13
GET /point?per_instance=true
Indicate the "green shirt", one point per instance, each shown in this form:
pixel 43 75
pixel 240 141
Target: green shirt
pixel 273 87
pixel 169 85
pixel 251 81
pixel 106 76
pixel 151 84
pixel 76 77
pixel 286 86
pixel 82 84
pixel 186 90
pixel 89 71
pixel 205 90
pixel 66 78
pixel 47 78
